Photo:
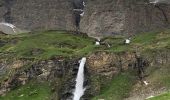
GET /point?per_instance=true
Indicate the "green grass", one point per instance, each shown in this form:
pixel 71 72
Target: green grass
pixel 165 96
pixel 152 40
pixel 139 42
pixel 160 75
pixel 30 91
pixel 145 38
pixel 43 45
pixel 118 88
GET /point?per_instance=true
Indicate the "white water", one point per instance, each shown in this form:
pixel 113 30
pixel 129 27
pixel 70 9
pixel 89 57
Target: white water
pixel 84 4
pixel 79 91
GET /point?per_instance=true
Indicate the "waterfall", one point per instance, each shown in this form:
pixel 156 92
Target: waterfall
pixel 78 11
pixel 79 90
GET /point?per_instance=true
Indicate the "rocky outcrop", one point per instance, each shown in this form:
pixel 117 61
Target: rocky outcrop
pixel 109 17
pixel 100 69
pixel 61 73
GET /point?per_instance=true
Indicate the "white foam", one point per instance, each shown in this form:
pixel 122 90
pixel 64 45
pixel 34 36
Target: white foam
pixel 84 4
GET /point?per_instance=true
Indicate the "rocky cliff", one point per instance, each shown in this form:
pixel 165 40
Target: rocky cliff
pixel 38 14
pixel 100 18
pixel 123 17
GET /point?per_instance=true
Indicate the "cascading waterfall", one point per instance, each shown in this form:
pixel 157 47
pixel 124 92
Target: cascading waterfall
pixel 78 11
pixel 79 90
pixel 7 15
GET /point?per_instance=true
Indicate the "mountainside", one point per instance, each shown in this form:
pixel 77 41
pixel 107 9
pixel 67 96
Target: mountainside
pixel 43 66
pixel 84 49
pixel 38 14
pixel 101 17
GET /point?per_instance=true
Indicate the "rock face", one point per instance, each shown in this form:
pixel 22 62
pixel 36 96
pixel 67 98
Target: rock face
pixel 101 17
pixel 38 14
pixel 61 73
pixel 103 66
pixel 106 17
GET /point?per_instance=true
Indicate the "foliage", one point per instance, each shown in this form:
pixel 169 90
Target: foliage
pixel 31 91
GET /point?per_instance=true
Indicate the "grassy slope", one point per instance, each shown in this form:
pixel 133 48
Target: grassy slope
pixel 165 96
pixel 31 91
pixel 146 43
pixel 118 88
pixel 52 43
pixel 55 43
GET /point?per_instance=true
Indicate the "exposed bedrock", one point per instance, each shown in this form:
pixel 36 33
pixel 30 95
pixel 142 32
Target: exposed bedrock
pixel 39 14
pixel 100 18
pixel 109 17
pixel 100 69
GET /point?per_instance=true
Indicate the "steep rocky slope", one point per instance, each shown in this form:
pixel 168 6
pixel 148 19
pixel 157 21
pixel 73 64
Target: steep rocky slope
pixel 123 17
pixel 106 17
pixel 38 14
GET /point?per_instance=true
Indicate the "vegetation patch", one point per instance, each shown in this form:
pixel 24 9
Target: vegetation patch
pixel 118 88
pixel 165 96
pixel 30 91
pixel 43 45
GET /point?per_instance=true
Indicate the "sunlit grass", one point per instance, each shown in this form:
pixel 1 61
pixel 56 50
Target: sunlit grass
pixel 31 91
